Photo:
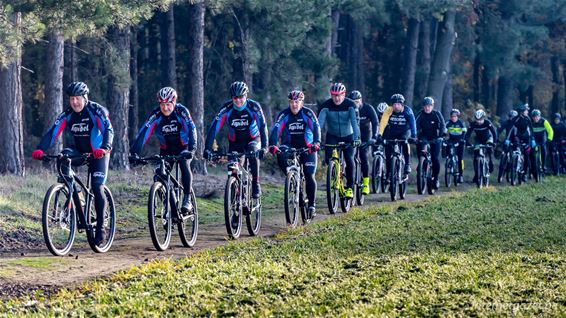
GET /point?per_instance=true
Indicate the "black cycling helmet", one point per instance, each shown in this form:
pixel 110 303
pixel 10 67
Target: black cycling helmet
pixel 337 89
pixel 167 95
pixel 535 112
pixel 397 98
pixel 355 95
pixel 455 111
pixel 428 101
pixel 522 107
pixel 77 89
pixel 296 95
pixel 238 89
pixel 556 115
pixel 512 114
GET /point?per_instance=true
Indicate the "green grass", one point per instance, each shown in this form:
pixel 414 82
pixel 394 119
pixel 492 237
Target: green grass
pixel 500 252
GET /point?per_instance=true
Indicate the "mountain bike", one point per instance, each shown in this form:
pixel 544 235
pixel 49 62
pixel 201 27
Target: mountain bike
pixel 336 179
pixel 295 191
pixel 69 198
pixel 481 164
pixel 238 200
pixel 424 169
pixel 451 168
pixel 505 165
pixel 378 176
pixel 555 157
pixel 538 164
pixel 397 177
pixel 164 204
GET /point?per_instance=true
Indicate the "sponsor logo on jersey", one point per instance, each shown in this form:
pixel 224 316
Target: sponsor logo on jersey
pixel 169 129
pixel 237 123
pixel 80 127
pixel 296 127
pixel 99 174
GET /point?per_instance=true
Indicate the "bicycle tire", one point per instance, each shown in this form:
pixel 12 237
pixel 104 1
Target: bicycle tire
pixel 291 197
pixel 421 176
pixel 331 190
pixel 360 197
pixel 159 218
pixel 233 207
pixel 109 224
pixel 47 214
pixel 448 172
pixel 394 178
pixel 189 223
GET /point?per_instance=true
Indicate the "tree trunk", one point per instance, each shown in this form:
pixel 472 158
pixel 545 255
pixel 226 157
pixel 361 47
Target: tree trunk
pixel 241 20
pixel 425 57
pixel 11 112
pixel 358 56
pixel 167 29
pixel 476 77
pixel 504 96
pixel 335 18
pixel 410 64
pixel 196 61
pixel 486 88
pixel 447 97
pixel 555 68
pixel 441 62
pixel 71 62
pixel 133 112
pixel 119 89
pixel 54 67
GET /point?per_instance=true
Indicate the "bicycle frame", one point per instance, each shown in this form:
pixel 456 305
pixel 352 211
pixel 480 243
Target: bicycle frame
pixel 337 158
pixel 173 189
pixel 397 153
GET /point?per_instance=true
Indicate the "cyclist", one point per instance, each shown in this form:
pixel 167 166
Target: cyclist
pixel 340 114
pixel 456 135
pixel 92 133
pixel 430 129
pixel 542 131
pixel 485 135
pixel 301 130
pixel 381 107
pixel 176 132
pixel 507 124
pixel 522 132
pixel 246 129
pixel 398 122
pixel 559 138
pixel 368 132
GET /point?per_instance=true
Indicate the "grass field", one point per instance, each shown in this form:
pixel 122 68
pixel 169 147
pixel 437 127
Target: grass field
pixel 481 253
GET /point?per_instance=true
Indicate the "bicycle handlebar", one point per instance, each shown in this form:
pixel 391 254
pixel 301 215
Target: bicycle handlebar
pixel 48 158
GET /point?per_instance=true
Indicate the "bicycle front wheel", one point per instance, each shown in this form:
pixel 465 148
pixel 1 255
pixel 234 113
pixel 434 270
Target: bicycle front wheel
pixel 291 198
pixel 331 187
pixel 253 217
pixel 394 178
pixel 188 224
pixel 233 208
pixel 448 172
pixel 108 224
pixel 159 216
pixel 360 197
pixel 421 175
pixel 58 220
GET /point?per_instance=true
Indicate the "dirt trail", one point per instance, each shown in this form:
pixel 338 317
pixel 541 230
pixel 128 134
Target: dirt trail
pixel 22 274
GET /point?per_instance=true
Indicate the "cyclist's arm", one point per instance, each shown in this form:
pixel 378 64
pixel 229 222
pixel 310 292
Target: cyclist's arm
pixel 442 125
pixel 190 130
pixel 277 128
pixel 53 133
pixel 549 130
pixel 145 132
pixel 418 124
pixel 322 117
pixel 262 126
pixel 493 131
pixel 354 122
pixel 374 122
pixel 108 136
pixel 215 127
pixel 384 120
pixel 412 124
pixel 314 126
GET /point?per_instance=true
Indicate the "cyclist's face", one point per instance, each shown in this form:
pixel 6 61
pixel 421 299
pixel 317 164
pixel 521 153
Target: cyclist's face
pixel 525 113
pixel 479 121
pixel 295 106
pixel 338 98
pixel 536 119
pixel 556 121
pixel 397 107
pixel 77 103
pixel 167 108
pixel 428 108
pixel 358 102
pixel 239 101
pixel 454 118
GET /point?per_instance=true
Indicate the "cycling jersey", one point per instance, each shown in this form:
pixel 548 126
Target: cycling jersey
pixel 176 132
pixel 559 131
pixel 368 122
pixel 430 126
pixel 244 125
pixel 485 132
pixel 522 129
pixel 456 131
pixel 91 129
pixel 397 125
pixel 542 131
pixel 342 121
pixel 301 130
pixel 506 127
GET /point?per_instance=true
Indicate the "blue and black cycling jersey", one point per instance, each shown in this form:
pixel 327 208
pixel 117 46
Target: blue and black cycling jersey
pixel 244 124
pixel 505 127
pixel 522 130
pixel 176 132
pixel 91 129
pixel 299 131
pixel 399 125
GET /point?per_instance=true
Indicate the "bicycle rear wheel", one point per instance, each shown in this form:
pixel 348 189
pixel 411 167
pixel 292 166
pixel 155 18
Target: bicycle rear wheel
pixel 253 217
pixel 555 161
pixel 188 224
pixel 479 168
pixel 108 227
pixel 360 197
pixel 331 189
pixel 304 204
pixel 233 208
pixel 376 175
pixel 291 199
pixel 58 220
pixel 159 216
